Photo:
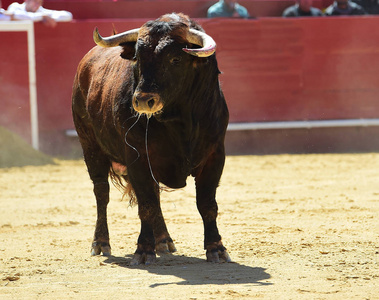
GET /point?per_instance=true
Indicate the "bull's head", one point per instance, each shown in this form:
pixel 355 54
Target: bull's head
pixel 147 99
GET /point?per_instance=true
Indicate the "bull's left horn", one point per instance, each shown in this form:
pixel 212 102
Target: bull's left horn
pixel 208 45
pixel 115 40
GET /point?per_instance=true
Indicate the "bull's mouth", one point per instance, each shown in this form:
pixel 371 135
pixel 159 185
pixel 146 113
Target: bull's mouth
pixel 148 114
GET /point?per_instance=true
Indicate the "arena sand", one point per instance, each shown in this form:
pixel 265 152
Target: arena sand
pixel 296 226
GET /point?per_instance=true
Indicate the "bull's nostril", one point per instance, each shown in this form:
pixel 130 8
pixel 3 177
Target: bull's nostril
pixel 136 103
pixel 150 103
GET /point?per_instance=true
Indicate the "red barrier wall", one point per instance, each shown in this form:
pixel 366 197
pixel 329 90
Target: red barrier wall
pixel 303 69
pixel 273 69
pixel 14 95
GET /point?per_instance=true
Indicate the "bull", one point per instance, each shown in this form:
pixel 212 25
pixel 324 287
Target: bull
pixel 148 109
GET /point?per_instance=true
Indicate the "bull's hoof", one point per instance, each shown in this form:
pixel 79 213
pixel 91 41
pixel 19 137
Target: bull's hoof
pixel 217 253
pixel 146 258
pixel 218 256
pixel 98 248
pixel 165 246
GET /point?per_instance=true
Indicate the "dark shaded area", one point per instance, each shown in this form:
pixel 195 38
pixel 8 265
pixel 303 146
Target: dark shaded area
pixel 196 271
pixel 16 152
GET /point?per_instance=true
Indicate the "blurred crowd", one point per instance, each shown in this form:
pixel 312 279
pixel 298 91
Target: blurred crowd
pixel 33 10
pixel 302 8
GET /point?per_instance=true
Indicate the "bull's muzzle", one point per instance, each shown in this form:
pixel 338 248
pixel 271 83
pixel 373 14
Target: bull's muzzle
pixel 147 103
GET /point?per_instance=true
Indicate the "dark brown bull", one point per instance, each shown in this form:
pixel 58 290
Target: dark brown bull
pixel 148 109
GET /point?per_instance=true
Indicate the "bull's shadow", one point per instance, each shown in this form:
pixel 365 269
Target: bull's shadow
pixel 196 271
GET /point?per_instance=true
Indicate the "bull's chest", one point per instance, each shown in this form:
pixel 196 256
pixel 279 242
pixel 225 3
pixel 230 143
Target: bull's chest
pixel 170 166
pixel 164 152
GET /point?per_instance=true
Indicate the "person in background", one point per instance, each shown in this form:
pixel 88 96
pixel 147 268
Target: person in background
pixel 370 6
pixel 5 15
pixel 227 9
pixel 303 8
pixel 33 10
pixel 344 8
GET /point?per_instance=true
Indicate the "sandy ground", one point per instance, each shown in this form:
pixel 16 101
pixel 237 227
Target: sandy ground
pixel 296 226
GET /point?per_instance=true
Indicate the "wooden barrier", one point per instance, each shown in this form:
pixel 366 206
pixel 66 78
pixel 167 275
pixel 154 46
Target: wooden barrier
pixel 274 69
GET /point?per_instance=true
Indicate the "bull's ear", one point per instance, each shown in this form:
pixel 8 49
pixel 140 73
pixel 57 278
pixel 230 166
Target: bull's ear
pixel 129 50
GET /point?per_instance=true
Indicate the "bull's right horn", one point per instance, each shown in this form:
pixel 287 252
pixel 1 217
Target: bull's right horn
pixel 115 40
pixel 208 45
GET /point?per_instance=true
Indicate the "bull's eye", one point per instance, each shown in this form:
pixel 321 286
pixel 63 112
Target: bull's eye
pixel 175 60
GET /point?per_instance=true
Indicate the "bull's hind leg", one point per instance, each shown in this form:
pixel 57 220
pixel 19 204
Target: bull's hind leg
pixel 206 184
pixel 163 242
pixel 98 168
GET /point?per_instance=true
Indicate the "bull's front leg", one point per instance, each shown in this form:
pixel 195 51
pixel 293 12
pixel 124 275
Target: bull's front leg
pixel 149 213
pixel 153 235
pixel 206 184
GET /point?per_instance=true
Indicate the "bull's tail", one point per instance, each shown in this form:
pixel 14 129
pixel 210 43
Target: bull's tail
pixel 123 185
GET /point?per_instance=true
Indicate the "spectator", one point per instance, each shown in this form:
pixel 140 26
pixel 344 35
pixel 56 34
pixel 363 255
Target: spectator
pixel 5 15
pixel 228 9
pixel 344 7
pixel 303 8
pixel 370 6
pixel 33 10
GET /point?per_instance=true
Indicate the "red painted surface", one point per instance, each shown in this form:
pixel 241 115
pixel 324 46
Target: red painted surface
pixel 303 69
pixel 274 69
pixel 14 84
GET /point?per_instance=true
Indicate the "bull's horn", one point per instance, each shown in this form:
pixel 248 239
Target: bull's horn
pixel 115 40
pixel 208 45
